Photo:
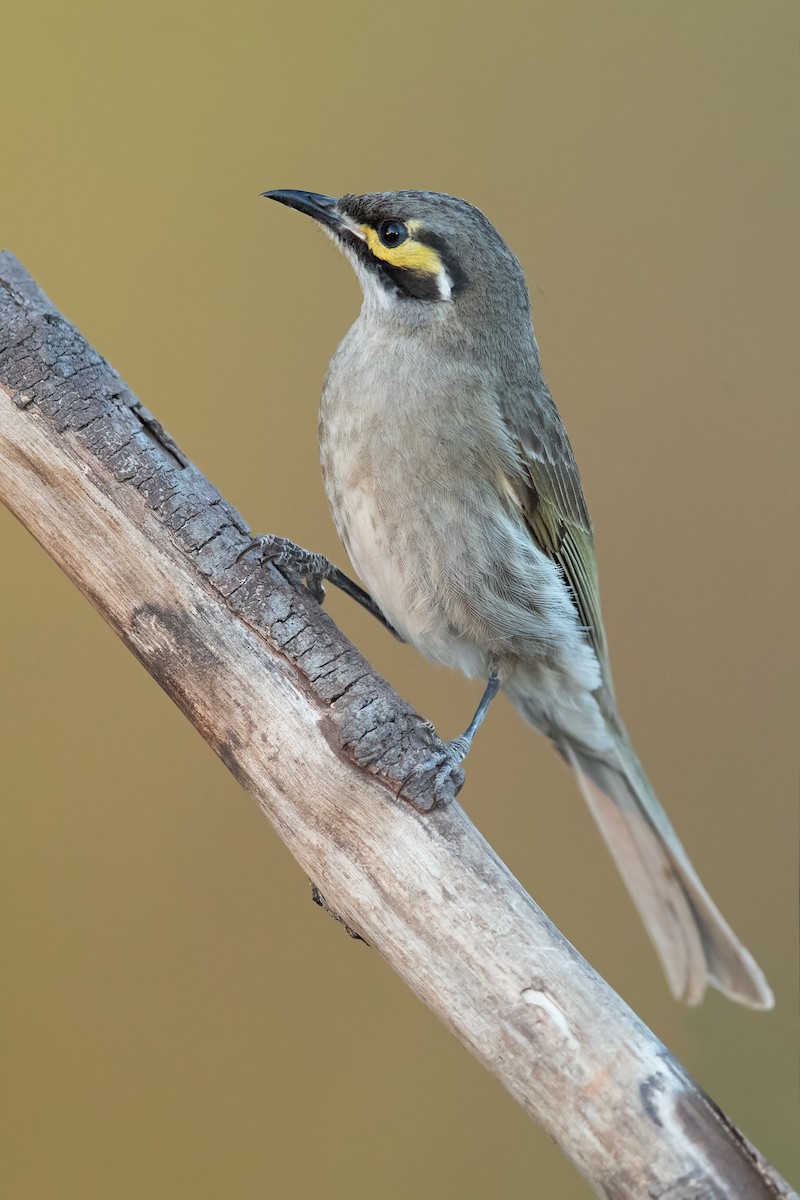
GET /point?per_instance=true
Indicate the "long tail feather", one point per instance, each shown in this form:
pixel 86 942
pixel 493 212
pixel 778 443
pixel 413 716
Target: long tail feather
pixel 694 942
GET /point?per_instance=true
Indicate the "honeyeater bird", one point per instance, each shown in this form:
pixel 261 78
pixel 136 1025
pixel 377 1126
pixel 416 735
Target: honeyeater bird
pixel 455 491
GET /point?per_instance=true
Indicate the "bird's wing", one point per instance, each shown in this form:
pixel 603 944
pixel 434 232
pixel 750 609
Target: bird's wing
pixel 549 492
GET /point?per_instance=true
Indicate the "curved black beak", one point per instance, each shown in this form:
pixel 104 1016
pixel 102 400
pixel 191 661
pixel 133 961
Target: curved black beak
pixel 321 208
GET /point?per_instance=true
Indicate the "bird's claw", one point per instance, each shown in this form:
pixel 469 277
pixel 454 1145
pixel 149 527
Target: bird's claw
pixel 301 567
pixel 438 780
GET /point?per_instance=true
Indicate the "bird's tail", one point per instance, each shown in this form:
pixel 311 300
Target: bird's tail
pixel 694 942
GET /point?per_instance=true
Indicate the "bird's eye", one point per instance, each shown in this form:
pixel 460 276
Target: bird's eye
pixel 392 233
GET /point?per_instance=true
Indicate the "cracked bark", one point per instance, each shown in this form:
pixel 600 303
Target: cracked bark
pixel 324 746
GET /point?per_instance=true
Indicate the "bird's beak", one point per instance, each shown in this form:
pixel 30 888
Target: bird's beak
pixel 321 208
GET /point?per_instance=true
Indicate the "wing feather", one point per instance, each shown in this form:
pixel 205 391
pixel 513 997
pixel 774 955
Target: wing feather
pixel 548 488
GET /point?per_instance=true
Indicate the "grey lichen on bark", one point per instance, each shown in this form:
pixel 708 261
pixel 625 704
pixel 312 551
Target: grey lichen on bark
pixel 325 747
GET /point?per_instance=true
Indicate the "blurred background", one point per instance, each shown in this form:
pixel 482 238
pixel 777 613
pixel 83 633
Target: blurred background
pixel 178 1020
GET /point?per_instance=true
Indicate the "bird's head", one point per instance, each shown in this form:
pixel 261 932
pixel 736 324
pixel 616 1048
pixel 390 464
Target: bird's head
pixel 421 255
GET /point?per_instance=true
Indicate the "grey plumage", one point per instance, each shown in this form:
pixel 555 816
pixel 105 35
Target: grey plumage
pixel 455 491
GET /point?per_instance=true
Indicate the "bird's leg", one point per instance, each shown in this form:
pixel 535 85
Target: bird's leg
pixel 305 567
pixel 449 759
pixel 460 745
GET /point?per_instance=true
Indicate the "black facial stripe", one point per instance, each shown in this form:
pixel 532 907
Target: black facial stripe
pixel 457 276
pixel 420 285
pixel 403 281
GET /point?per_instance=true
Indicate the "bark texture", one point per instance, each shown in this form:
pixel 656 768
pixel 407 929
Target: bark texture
pixel 325 747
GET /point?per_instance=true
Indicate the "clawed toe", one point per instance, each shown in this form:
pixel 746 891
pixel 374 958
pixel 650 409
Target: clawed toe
pixel 270 548
pixel 438 780
pixel 301 567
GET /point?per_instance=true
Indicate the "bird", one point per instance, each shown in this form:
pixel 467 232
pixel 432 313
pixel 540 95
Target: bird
pixel 454 489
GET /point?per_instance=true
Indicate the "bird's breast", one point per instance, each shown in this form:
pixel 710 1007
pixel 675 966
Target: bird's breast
pixel 368 453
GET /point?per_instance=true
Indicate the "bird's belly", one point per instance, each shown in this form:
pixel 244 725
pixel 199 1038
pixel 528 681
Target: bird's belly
pixel 456 575
pixel 392 547
pixel 548 679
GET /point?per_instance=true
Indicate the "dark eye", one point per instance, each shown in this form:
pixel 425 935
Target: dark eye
pixel 392 233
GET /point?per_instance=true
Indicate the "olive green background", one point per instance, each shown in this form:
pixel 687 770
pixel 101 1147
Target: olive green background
pixel 178 1020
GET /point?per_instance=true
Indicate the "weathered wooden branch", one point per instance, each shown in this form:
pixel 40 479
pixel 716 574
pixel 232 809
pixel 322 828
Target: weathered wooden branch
pixel 324 746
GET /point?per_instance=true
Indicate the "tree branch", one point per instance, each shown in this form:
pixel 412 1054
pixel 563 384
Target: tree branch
pixel 324 746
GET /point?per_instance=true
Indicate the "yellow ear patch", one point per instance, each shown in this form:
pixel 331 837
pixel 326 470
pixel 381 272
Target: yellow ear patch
pixel 410 254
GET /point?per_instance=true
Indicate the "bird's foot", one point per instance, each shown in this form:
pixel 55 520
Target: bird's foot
pixel 438 780
pixel 301 567
pixel 305 568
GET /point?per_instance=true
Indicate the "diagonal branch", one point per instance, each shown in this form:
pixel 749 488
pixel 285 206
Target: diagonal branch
pixel 324 745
